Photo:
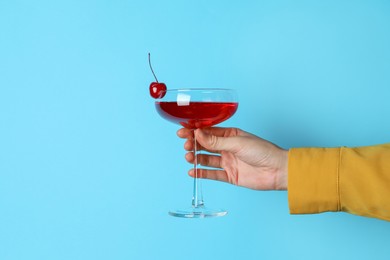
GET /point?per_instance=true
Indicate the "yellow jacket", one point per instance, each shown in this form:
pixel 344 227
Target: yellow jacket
pixel 354 180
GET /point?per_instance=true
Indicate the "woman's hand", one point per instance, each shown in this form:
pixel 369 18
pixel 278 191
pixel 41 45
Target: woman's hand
pixel 240 158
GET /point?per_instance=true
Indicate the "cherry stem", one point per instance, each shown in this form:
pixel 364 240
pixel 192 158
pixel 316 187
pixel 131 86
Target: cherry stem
pixel 150 65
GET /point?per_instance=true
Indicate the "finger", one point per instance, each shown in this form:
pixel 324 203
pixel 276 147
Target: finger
pixel 224 131
pixel 217 175
pixel 209 160
pixel 204 159
pixel 215 143
pixel 189 145
pixel 212 133
pixel 218 131
pixel 189 157
pixel 185 133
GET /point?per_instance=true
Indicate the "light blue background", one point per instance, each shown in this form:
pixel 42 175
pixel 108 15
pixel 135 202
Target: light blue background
pixel 88 170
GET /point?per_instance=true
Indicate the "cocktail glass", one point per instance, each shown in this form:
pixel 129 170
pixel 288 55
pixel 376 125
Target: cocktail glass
pixel 197 108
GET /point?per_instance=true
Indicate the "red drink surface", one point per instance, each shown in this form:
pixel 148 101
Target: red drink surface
pixel 196 114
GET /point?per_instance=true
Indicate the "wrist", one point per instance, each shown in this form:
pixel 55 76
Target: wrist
pixel 282 171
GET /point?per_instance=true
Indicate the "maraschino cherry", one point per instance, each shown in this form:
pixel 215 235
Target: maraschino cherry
pixel 157 89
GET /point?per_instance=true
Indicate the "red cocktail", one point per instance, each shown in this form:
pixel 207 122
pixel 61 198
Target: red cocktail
pixel 196 114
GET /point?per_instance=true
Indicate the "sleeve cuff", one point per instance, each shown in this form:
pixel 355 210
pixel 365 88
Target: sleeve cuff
pixel 313 180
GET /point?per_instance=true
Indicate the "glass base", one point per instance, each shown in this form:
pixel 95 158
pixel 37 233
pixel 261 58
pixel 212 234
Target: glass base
pixel 198 212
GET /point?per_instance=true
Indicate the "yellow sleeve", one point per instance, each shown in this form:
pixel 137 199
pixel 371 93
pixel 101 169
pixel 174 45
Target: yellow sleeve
pixel 354 180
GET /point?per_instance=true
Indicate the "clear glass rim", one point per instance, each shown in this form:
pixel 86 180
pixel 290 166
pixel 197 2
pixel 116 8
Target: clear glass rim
pixel 198 94
pixel 198 89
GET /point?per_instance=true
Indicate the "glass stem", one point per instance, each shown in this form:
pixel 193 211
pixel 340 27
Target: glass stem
pixel 197 198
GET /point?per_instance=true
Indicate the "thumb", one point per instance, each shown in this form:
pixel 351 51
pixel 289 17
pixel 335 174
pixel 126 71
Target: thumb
pixel 216 143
